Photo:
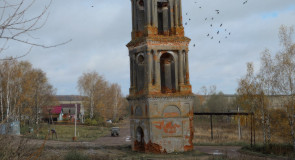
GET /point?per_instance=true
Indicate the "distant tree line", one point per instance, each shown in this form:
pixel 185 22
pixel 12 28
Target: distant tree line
pixel 103 100
pixel 211 100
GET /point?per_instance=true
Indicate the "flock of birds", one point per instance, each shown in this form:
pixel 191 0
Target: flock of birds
pixel 219 27
pixel 211 35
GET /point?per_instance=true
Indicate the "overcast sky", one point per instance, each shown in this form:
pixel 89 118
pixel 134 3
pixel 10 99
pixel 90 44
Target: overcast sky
pixel 101 29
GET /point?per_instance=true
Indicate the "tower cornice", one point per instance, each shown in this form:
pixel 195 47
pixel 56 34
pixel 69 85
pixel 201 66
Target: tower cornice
pixel 158 40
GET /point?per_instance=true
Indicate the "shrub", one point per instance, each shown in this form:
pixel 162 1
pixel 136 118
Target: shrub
pixel 100 120
pixel 87 121
pixel 74 155
pixel 94 122
pixel 90 122
pixel 276 149
pixel 116 120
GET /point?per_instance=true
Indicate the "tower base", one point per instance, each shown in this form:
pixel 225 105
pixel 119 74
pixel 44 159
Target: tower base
pixel 162 124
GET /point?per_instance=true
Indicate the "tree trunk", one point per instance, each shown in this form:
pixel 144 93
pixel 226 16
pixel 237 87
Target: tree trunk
pixel 7 99
pixel 1 101
pixel 91 107
pixel 268 128
pixel 263 125
pixel 263 128
pixel 115 105
pixel 19 114
pixel 15 117
pixel 291 123
pixel 263 119
pixel 292 119
pixel 36 109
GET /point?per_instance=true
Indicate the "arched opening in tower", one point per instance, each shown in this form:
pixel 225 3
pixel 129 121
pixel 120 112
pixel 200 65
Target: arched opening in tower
pixel 163 16
pixel 140 15
pixel 140 73
pixel 167 73
pixel 139 142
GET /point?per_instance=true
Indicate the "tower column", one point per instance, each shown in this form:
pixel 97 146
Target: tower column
pixel 155 13
pixel 134 71
pixel 150 66
pixel 186 68
pixel 131 72
pixel 171 14
pixel 157 69
pixel 133 15
pixel 165 20
pixel 147 6
pixel 148 70
pixel 176 13
pixel 180 13
pixel 180 76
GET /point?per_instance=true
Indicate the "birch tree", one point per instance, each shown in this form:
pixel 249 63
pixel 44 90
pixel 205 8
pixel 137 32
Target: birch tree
pixel 88 85
pixel 285 75
pixel 103 99
pixel 276 77
pixel 116 91
pixel 21 88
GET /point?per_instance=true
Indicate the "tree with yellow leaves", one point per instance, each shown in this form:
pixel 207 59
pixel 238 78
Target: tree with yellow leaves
pixel 275 77
pixel 23 91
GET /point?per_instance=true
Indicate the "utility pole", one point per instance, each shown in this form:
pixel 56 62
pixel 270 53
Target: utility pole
pixel 76 120
pixel 75 137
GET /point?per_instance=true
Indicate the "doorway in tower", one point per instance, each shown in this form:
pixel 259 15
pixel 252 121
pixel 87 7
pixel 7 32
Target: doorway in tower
pixel 139 143
pixel 167 63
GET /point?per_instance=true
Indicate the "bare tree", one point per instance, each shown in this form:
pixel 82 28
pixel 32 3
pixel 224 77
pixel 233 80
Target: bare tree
pixel 17 26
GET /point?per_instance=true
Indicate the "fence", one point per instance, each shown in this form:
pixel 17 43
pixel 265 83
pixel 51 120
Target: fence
pixel 12 128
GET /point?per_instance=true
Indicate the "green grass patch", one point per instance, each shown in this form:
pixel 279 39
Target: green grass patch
pixel 75 155
pixel 285 150
pixel 222 157
pixel 67 132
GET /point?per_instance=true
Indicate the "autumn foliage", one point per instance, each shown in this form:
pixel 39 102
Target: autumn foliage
pixel 101 98
pixel 276 78
pixel 23 92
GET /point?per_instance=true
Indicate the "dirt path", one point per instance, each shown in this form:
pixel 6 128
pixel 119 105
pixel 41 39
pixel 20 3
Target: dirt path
pixel 123 139
pixel 101 144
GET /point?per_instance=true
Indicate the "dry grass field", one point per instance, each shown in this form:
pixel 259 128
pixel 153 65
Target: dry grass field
pixel 225 132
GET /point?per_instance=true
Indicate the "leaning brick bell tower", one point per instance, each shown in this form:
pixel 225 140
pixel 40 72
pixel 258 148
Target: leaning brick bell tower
pixel 160 99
